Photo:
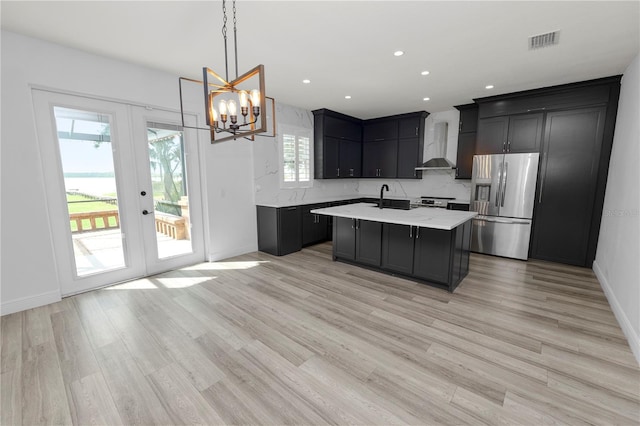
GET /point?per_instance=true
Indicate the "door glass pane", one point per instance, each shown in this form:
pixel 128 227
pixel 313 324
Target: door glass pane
pixel 169 181
pixel 84 140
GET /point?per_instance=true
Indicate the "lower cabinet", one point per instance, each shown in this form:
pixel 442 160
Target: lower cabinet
pixel 279 229
pixel 357 240
pixel 438 257
pixel 397 248
pixel 315 227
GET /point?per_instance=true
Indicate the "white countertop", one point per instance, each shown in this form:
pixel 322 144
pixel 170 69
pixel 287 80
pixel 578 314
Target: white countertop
pixel 424 217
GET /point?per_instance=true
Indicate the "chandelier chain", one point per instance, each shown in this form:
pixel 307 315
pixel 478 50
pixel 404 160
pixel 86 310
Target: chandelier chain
pixel 224 35
pixel 235 38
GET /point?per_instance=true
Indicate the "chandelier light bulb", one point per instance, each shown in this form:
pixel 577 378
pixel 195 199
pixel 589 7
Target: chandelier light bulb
pixel 244 98
pixel 255 97
pixel 223 108
pixel 231 106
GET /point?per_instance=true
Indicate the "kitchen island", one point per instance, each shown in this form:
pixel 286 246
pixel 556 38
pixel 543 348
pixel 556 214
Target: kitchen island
pixel 429 245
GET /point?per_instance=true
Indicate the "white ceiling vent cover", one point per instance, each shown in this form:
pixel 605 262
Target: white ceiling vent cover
pixel 544 40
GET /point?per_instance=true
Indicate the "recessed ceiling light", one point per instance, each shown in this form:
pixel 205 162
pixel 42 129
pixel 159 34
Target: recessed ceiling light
pixel 398 53
pixel 348 97
pixel 489 86
pixel 306 81
pixel 425 73
pixel 425 99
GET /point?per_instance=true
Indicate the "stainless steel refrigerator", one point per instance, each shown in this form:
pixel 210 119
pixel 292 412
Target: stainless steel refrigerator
pixel 502 192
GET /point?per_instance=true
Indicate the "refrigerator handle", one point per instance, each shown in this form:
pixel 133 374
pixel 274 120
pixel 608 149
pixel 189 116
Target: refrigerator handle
pixel 504 184
pixel 499 185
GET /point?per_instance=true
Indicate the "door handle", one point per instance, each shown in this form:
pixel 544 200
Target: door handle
pixel 499 185
pixel 505 175
pixel 146 212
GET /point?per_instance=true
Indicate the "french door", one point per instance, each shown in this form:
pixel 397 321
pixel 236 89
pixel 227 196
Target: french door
pixel 123 189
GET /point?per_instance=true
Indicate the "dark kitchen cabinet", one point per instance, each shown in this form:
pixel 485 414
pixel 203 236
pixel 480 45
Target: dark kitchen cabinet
pixel 380 158
pixel 432 255
pixel 380 130
pixel 467 131
pixel 279 229
pixel 368 242
pixel 344 238
pixel 337 145
pixel 411 127
pixel 567 185
pixel 350 159
pixel 410 145
pixel 357 240
pixel 578 122
pixel 509 134
pixel 314 226
pixel 397 248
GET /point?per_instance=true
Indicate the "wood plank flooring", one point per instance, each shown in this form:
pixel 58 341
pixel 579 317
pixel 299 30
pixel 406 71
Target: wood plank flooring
pixel 300 339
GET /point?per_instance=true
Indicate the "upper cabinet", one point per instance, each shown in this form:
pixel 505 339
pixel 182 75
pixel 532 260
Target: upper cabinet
pixel 337 145
pixel 387 147
pixel 509 134
pixel 467 128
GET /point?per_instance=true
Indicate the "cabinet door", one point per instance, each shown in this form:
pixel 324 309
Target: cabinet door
pixel 331 164
pixel 468 120
pixel 492 135
pixel 397 248
pixel 567 185
pixel 380 130
pixel 368 242
pixel 525 133
pixel 466 150
pixel 409 150
pixel 344 238
pixel 341 128
pixel 409 127
pixel 314 226
pixel 350 158
pixel 389 159
pixel 371 158
pixel 289 230
pixel 432 255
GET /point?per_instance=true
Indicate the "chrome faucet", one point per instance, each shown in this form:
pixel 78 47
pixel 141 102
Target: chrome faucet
pixel 385 186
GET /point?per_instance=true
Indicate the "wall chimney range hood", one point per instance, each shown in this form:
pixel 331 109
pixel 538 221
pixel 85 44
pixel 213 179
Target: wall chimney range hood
pixel 438 160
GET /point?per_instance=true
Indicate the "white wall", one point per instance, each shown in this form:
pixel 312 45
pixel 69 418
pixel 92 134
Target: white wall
pixel 617 263
pixel 28 270
pixel 434 182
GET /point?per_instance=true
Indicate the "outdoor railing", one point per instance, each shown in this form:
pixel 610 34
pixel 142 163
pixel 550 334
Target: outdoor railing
pixel 167 224
pixel 81 218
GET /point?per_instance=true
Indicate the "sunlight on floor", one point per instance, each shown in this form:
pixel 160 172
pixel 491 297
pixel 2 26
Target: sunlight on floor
pixel 142 284
pixel 213 266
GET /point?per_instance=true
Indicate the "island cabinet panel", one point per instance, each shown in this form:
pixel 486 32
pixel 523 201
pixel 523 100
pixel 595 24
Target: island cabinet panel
pixel 432 255
pixel 344 238
pixel 368 242
pixel 314 226
pixel 279 230
pixel 397 248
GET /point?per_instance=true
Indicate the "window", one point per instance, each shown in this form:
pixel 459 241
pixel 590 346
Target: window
pixel 296 157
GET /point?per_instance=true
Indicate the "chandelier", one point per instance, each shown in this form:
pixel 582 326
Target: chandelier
pixel 224 123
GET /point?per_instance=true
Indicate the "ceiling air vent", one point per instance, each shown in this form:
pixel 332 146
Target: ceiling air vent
pixel 544 40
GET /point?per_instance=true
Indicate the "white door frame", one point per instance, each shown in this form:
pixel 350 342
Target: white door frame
pixel 126 165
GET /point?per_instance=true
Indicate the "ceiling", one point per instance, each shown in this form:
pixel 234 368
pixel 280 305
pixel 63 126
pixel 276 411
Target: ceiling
pixel 346 47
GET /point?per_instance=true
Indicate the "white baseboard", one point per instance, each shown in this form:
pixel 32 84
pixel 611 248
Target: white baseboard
pixel 24 303
pixel 623 320
pixel 237 251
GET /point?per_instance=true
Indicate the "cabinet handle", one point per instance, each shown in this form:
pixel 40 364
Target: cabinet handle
pixel 416 131
pixel 537 109
pixel 457 172
pixel 410 231
pixel 379 139
pixel 351 172
pixel 291 208
pixel 460 127
pixel 352 224
pixel 357 224
pixel 417 232
pixel 509 146
pixel 338 172
pixel 504 146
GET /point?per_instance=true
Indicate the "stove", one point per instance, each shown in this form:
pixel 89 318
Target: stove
pixel 426 201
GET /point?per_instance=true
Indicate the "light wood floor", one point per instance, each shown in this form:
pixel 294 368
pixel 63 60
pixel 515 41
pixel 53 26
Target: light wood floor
pixel 304 340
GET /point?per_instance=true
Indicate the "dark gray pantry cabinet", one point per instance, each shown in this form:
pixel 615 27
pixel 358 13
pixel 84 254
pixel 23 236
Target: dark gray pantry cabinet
pixel 386 147
pixel 571 126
